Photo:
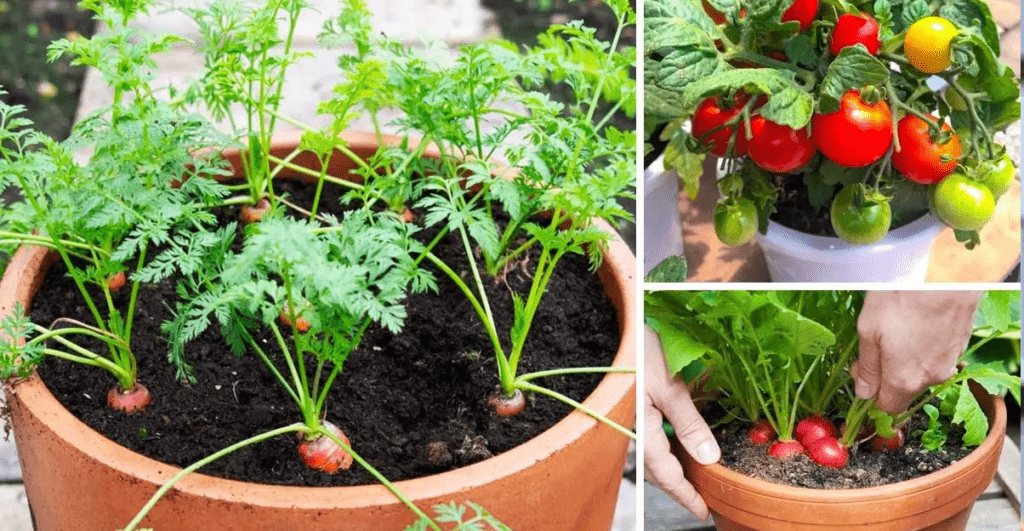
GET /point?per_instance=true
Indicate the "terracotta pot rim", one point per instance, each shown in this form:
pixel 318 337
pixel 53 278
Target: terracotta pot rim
pixel 618 263
pixel 973 460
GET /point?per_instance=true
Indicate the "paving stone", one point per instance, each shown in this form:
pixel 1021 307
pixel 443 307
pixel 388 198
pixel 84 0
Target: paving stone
pixel 1010 48
pixel 14 515
pixel 449 20
pixel 625 509
pixel 1006 13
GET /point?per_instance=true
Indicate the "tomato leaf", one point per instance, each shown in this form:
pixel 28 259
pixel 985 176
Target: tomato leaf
pixel 852 69
pixel 966 14
pixel 671 269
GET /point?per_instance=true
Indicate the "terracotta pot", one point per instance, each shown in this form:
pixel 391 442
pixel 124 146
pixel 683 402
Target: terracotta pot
pixel 565 479
pixel 940 501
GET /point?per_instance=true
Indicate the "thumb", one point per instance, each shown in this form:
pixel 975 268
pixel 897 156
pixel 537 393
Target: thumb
pixel 692 431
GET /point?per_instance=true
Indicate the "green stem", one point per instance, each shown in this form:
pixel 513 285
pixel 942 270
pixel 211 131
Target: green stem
pixel 526 386
pixel 574 370
pixel 203 462
pixel 379 477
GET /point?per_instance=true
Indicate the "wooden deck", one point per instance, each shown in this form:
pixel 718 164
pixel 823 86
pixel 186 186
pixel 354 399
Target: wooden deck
pixel 997 509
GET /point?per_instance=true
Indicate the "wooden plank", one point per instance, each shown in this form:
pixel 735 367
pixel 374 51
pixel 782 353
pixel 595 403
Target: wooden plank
pixel 662 513
pixel 14 515
pixel 1008 473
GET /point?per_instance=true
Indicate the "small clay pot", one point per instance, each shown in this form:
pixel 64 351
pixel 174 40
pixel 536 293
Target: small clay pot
pixel 940 501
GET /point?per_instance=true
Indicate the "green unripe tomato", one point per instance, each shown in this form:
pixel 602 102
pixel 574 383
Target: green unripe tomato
pixel 998 180
pixel 735 221
pixel 961 202
pixel 862 224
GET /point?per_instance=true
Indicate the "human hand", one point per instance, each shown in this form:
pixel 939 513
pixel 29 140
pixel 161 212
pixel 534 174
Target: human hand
pixel 910 340
pixel 666 397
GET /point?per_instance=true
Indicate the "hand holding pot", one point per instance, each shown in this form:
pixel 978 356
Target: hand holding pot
pixel 910 340
pixel 665 397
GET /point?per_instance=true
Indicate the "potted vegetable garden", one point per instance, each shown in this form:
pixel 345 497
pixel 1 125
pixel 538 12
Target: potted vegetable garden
pixel 800 450
pixel 248 295
pixel 847 133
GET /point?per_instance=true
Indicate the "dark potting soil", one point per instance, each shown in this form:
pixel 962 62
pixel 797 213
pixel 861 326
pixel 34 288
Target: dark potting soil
pixel 412 403
pixel 863 469
pixel 793 208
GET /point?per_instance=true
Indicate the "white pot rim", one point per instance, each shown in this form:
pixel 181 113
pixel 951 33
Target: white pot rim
pixel 789 240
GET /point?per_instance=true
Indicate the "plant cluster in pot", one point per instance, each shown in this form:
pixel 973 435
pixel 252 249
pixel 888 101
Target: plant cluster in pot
pixel 833 146
pixel 779 364
pixel 298 287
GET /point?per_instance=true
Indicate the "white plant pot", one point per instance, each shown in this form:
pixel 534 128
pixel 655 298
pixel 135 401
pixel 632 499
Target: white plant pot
pixel 663 234
pixel 902 256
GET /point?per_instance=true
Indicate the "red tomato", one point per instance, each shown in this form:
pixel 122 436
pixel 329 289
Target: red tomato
pixel 853 29
pixel 919 158
pixel 855 136
pixel 710 114
pixel 802 11
pixel 778 148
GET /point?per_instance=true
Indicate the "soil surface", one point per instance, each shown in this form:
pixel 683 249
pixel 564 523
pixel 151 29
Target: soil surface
pixel 864 468
pixel 412 403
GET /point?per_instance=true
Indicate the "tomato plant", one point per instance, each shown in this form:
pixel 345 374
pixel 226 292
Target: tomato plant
pixel 778 148
pixel 922 158
pixel 735 221
pixel 860 217
pixel 857 135
pixel 927 44
pixel 961 202
pixel 849 81
pixel 709 125
pixel 802 11
pixel 855 29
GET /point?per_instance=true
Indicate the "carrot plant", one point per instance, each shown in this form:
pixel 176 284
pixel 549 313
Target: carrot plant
pixel 117 217
pixel 780 356
pixel 563 164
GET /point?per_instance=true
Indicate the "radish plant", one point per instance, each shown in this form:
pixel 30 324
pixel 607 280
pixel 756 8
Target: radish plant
pixel 774 357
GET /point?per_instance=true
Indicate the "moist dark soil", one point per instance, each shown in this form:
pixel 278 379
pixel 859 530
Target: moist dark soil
pixel 412 403
pixel 793 208
pixel 863 469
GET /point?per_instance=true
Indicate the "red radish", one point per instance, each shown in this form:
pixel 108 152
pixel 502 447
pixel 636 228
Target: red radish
pixel 323 454
pixel 253 213
pixel 761 432
pixel 116 281
pixel 887 444
pixel 785 449
pixel 301 323
pixel 815 427
pixel 828 452
pixel 407 216
pixel 507 406
pixel 132 401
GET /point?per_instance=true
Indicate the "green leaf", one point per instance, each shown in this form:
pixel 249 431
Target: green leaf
pixel 974 16
pixel 852 69
pixel 671 269
pixel 971 416
pixel 935 436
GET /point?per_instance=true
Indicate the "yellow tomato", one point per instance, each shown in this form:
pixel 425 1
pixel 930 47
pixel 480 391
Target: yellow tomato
pixel 926 44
